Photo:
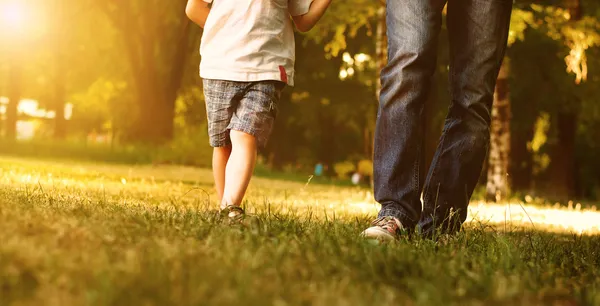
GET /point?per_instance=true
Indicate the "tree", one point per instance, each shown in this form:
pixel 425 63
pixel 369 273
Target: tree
pixel 60 30
pixel 497 186
pixel 155 36
pixel 345 20
pixel 14 96
pixel 579 33
pixel 15 36
pixel 558 25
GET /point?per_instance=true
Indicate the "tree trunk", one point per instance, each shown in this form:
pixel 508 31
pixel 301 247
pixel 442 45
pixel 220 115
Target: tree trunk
pixel 381 60
pixel 380 45
pixel 497 179
pixel 156 88
pixel 154 123
pixel 156 101
pixel 521 160
pixel 60 123
pixel 14 96
pixel 60 70
pixel 575 9
pixel 562 160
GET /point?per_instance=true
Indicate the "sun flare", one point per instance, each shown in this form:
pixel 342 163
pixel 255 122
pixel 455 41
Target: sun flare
pixel 12 15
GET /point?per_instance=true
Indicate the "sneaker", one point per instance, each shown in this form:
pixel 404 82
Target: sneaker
pixel 383 229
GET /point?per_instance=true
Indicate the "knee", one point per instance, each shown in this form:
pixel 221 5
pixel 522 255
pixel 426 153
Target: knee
pixel 239 138
pixel 473 125
pixel 416 54
pixel 224 150
pixel 477 115
pixel 478 132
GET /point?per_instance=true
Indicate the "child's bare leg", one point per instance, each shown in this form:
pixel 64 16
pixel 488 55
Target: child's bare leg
pixel 239 168
pixel 219 162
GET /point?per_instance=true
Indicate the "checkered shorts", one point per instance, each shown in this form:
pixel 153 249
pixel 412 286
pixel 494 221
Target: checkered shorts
pixel 249 107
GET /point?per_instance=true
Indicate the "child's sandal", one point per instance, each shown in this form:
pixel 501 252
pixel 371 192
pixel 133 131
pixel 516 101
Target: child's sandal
pixel 234 213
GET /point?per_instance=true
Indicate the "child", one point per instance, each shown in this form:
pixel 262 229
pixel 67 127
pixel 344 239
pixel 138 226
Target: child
pixel 248 53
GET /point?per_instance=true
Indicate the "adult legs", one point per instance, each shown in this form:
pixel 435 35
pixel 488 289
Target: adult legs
pixel 478 31
pixel 412 28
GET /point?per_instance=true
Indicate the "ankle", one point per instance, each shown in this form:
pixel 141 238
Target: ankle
pixel 227 203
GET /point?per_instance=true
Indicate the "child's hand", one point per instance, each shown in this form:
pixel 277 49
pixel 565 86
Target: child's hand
pixel 197 11
pixel 307 21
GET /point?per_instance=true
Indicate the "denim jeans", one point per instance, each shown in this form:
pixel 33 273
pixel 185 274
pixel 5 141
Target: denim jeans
pixel 478 32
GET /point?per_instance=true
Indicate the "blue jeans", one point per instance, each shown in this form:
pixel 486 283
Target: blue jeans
pixel 478 32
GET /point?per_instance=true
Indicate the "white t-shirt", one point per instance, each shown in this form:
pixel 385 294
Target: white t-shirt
pixel 250 40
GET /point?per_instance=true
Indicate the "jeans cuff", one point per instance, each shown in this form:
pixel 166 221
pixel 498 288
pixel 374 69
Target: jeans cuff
pixel 387 210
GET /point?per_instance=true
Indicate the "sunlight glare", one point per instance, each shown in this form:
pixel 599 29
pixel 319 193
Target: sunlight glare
pixel 343 74
pixel 28 107
pixel 13 15
pixel 567 220
pixel 68 111
pixel 347 58
pixel 361 58
pixel 519 215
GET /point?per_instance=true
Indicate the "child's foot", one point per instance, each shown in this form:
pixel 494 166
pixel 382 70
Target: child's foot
pixel 383 229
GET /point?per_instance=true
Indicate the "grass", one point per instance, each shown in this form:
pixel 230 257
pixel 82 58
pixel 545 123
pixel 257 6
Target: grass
pixel 180 152
pixel 98 234
pixel 69 150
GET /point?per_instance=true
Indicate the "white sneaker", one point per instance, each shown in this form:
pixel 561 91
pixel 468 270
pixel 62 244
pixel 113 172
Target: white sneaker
pixel 383 229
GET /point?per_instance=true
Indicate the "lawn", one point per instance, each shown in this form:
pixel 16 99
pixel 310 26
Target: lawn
pixel 74 233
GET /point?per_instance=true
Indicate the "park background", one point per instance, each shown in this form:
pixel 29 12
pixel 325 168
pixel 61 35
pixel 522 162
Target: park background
pixel 111 81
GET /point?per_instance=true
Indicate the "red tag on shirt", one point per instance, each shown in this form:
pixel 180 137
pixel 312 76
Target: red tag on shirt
pixel 283 74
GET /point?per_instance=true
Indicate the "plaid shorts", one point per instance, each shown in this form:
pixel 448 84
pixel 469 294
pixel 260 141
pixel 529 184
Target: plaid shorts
pixel 249 107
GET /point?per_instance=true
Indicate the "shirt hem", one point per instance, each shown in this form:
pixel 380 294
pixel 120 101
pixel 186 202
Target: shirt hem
pixel 239 76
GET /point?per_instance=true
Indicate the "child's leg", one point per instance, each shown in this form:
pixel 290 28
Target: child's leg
pixel 239 168
pixel 221 99
pixel 219 162
pixel 250 127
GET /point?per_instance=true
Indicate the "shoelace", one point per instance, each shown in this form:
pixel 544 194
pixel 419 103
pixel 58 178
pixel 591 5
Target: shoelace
pixel 387 223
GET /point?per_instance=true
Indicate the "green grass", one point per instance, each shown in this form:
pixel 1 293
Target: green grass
pixel 69 150
pixel 98 234
pixel 190 154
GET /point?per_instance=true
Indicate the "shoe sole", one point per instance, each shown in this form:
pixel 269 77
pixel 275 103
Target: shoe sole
pixel 377 233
